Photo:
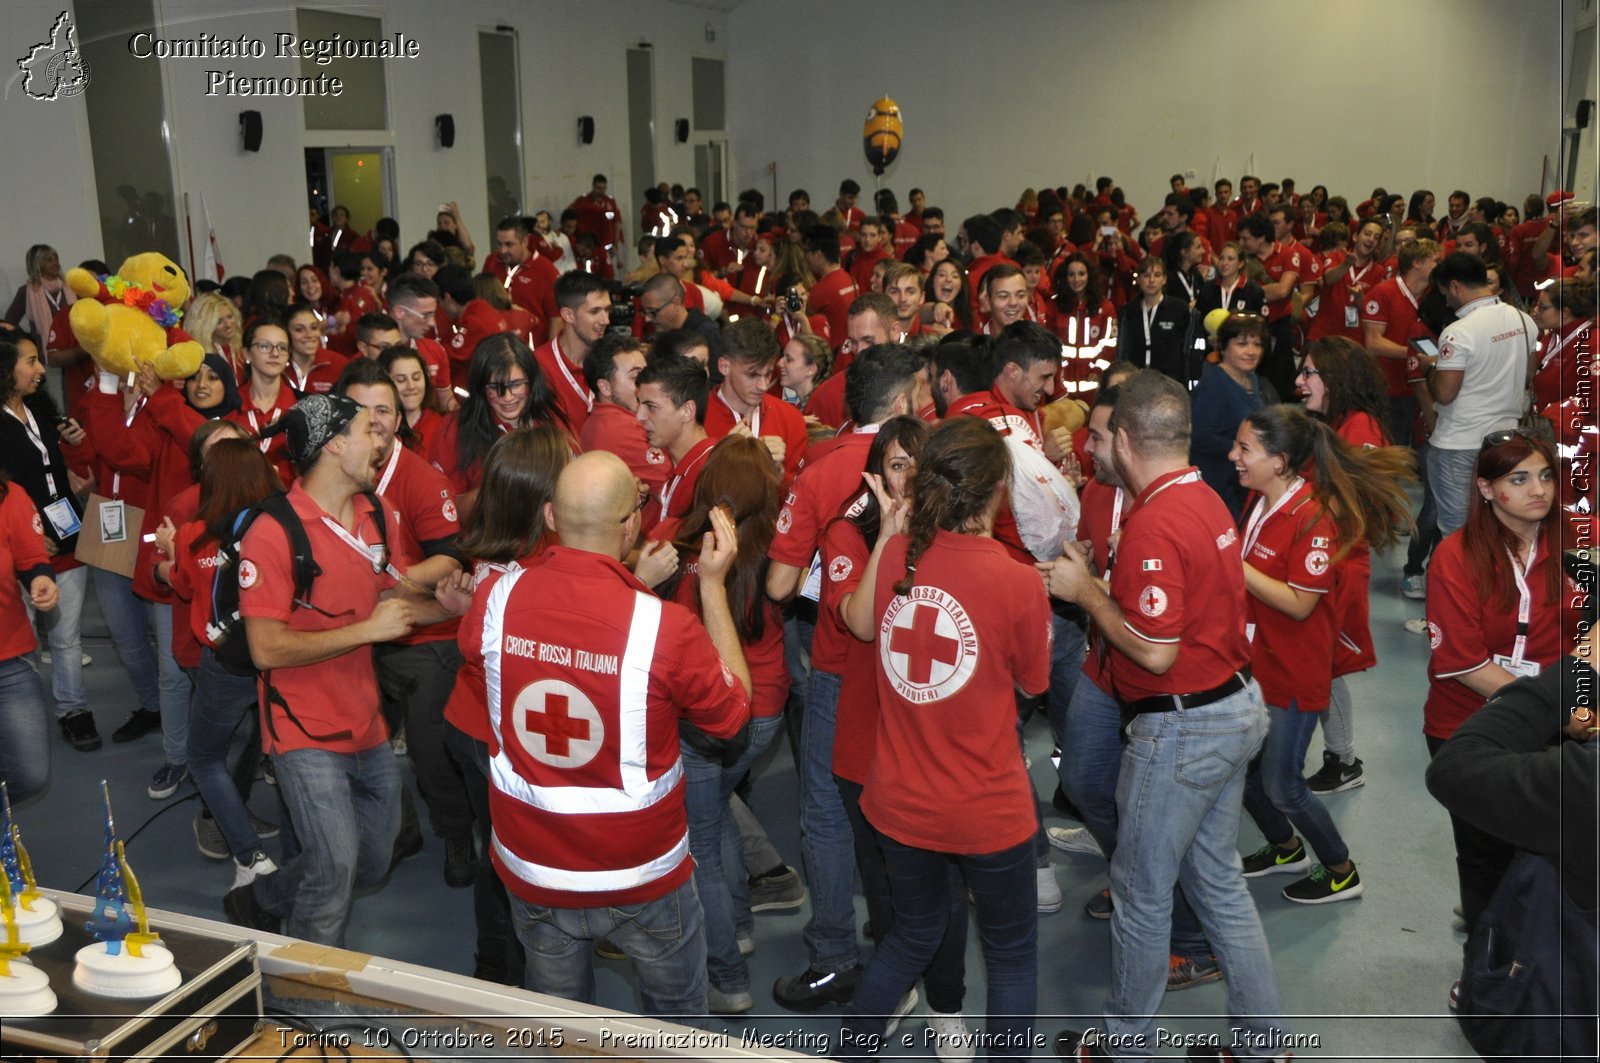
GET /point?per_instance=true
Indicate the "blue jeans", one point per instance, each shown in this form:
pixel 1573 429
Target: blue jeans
pixel 223 705
pixel 1276 794
pixel 176 689
pixel 1005 900
pixel 1091 762
pixel 1178 801
pixel 719 871
pixel 1450 479
pixel 346 813
pixel 1066 665
pixel 1426 537
pixel 825 842
pixel 128 618
pixel 64 628
pixel 945 978
pixel 665 939
pixel 24 729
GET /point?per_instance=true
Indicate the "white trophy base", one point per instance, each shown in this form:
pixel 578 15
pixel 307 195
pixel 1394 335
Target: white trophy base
pixel 125 975
pixel 25 991
pixel 40 926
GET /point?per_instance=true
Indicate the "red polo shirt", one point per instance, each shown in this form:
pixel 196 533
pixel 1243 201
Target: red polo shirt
pixel 566 382
pixel 1284 259
pixel 1392 305
pixel 22 555
pixel 831 297
pixel 1292 659
pixel 774 418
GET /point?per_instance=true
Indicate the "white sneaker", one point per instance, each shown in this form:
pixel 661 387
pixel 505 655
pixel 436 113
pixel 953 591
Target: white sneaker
pixel 260 864
pixel 1049 892
pixel 1074 840
pixel 952 1041
pixel 901 1010
pixel 1417 625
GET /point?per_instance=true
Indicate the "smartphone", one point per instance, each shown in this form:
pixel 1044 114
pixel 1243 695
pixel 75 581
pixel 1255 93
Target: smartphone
pixel 1108 230
pixel 1426 346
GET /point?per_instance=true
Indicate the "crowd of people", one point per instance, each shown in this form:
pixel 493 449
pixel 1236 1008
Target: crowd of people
pixel 581 542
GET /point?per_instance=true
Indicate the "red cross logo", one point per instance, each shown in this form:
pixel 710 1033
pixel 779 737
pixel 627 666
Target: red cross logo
pixel 557 724
pixel 923 645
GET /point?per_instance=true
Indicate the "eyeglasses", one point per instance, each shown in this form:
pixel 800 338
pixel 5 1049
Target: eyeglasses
pixel 644 500
pixel 1308 371
pixel 268 348
pixel 1506 435
pixel 507 387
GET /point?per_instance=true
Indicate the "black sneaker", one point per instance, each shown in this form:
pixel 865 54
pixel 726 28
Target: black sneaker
pixel 1324 886
pixel 1335 776
pixel 1186 971
pixel 1271 860
pixel 1063 804
pixel 1080 1045
pixel 460 862
pixel 78 728
pixel 1099 906
pixel 244 910
pixel 778 890
pixel 141 723
pixel 812 989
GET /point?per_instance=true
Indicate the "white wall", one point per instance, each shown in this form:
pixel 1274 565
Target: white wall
pixel 572 62
pixel 997 97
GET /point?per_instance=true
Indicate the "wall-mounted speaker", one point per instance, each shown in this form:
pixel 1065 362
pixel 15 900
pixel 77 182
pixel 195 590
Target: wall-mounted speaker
pixel 446 125
pixel 1585 112
pixel 250 129
pixel 586 130
pixel 680 129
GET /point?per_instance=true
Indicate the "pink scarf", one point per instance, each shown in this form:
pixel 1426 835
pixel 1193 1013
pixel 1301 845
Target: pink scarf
pixel 39 311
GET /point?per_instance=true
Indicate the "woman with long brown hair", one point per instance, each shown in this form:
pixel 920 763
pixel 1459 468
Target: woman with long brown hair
pixel 234 475
pixel 962 627
pixel 741 481
pixel 1317 498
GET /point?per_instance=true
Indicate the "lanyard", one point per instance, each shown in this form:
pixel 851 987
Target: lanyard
pixel 1116 523
pixel 672 485
pixel 372 555
pixel 561 364
pixel 1259 518
pixel 1582 330
pixel 1227 294
pixel 393 463
pixel 1187 286
pixel 755 418
pixel 1149 315
pixel 1352 278
pixel 1524 603
pixel 31 426
pixel 255 424
pixel 301 378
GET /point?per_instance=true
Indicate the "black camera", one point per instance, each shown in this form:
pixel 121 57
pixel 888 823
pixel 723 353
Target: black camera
pixel 620 316
pixel 792 301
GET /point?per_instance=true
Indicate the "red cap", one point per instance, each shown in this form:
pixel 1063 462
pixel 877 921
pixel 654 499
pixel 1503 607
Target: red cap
pixel 1556 198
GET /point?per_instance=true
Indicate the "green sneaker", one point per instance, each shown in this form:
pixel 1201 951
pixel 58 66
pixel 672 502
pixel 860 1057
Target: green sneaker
pixel 1324 887
pixel 1271 860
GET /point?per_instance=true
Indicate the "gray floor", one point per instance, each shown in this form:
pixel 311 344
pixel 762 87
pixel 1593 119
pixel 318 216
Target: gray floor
pixel 1367 978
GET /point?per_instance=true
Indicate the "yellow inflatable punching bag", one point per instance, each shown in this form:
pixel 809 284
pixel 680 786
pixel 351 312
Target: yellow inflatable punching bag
pixel 882 135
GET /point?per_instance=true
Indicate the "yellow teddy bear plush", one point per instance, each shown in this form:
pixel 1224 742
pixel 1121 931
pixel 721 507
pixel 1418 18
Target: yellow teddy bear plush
pixel 131 317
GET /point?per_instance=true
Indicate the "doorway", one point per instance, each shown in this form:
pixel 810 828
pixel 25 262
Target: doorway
pixel 359 179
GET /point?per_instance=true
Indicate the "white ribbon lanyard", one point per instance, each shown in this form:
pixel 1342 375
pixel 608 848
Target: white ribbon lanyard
pixel 390 466
pixel 300 380
pixel 1259 516
pixel 738 418
pixel 1352 278
pixel 1116 523
pixel 1519 648
pixel 372 555
pixel 1582 330
pixel 1188 287
pixel 1149 316
pixel 32 428
pixel 561 364
pixel 255 424
pixel 671 487
pixel 1227 294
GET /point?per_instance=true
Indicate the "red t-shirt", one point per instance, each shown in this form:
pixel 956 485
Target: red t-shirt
pixel 861 264
pixel 1179 578
pixel 823 487
pixel 1566 356
pixel 338 696
pixel 1392 305
pixel 22 556
pixel 425 429
pixel 1466 633
pixel 478 321
pixel 1292 659
pixel 831 297
pixel 677 492
pixel 1339 306
pixel 421 496
pixel 855 729
pixel 1284 259
pixel 826 401
pixel 566 382
pixel 1102 511
pixel 532 286
pixel 950 656
pixel 320 378
pixel 774 418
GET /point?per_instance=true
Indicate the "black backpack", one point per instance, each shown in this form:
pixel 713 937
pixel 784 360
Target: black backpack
pixel 225 627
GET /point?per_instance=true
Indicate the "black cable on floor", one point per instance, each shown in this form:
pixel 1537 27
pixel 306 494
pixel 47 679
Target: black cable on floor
pixel 140 830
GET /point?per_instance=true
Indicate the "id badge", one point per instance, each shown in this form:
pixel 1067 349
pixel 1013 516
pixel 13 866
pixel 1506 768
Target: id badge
pixel 1352 319
pixel 813 585
pixel 113 522
pixel 63 518
pixel 1526 668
